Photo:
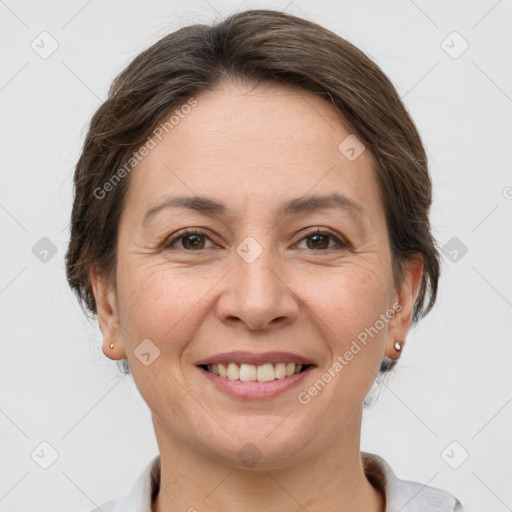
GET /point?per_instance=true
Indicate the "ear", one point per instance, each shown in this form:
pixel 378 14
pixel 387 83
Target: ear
pixel 106 305
pixel 404 299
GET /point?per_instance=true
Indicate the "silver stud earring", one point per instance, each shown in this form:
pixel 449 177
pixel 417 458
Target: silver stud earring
pixel 397 346
pixel 123 366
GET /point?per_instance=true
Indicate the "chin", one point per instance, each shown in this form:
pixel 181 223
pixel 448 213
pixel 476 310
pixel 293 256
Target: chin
pixel 262 443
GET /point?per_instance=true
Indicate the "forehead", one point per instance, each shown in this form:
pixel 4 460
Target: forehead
pixel 245 144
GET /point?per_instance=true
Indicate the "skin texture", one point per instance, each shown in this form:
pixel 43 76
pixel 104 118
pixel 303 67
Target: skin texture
pixel 252 150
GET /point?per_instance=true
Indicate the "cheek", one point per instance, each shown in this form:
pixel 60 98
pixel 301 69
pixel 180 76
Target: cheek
pixel 166 309
pixel 350 299
pixel 163 306
pixel 349 317
pixel 347 307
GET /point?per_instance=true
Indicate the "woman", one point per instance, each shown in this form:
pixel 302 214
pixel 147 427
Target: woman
pixel 250 226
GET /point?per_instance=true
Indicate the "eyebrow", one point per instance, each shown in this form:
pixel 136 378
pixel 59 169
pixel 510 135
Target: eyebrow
pixel 296 206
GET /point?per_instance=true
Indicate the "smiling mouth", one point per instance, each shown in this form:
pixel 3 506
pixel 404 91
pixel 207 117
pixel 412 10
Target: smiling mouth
pixel 257 373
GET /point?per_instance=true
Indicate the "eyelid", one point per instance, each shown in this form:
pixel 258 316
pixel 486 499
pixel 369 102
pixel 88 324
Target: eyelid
pixel 175 237
pixel 340 241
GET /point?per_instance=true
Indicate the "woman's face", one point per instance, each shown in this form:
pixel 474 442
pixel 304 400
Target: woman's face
pixel 252 283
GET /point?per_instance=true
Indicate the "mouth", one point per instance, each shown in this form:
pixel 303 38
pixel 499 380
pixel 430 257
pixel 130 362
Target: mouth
pixel 255 373
pixel 250 376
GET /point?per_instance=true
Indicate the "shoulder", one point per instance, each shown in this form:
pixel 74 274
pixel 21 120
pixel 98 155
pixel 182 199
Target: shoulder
pixel 406 495
pixel 109 506
pixel 139 496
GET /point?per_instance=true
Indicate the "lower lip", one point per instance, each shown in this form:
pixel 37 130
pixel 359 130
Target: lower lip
pixel 254 389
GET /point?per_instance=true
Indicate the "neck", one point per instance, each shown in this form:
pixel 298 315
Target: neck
pixel 332 479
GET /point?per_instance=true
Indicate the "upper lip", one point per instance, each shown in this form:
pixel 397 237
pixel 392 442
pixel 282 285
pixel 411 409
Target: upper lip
pixel 255 359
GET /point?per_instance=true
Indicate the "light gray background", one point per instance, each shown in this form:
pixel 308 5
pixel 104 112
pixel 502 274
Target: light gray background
pixel 454 381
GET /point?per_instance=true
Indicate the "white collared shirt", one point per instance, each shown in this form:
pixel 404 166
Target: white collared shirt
pixel 401 495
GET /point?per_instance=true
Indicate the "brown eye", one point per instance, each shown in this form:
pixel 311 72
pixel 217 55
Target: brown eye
pixel 319 241
pixel 190 241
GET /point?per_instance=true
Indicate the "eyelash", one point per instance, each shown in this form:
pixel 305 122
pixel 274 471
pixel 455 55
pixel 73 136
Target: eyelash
pixel 342 245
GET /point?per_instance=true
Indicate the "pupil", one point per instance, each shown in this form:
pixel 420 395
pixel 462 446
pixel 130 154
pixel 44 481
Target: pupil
pixel 193 240
pixel 317 240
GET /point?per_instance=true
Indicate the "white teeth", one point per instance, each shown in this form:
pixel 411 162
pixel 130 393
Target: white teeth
pixel 223 370
pixel 250 372
pixel 233 371
pixel 280 370
pixel 247 372
pixel 266 373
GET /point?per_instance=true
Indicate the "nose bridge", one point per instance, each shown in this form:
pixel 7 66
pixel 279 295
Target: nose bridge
pixel 257 293
pixel 258 274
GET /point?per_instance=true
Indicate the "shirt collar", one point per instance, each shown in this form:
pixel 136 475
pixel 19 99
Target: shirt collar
pixel 401 495
pixel 406 495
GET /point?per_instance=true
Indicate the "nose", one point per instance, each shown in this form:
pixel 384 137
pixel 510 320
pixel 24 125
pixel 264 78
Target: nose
pixel 257 295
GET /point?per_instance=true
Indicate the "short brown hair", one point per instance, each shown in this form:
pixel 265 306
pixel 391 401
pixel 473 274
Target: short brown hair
pixel 253 46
